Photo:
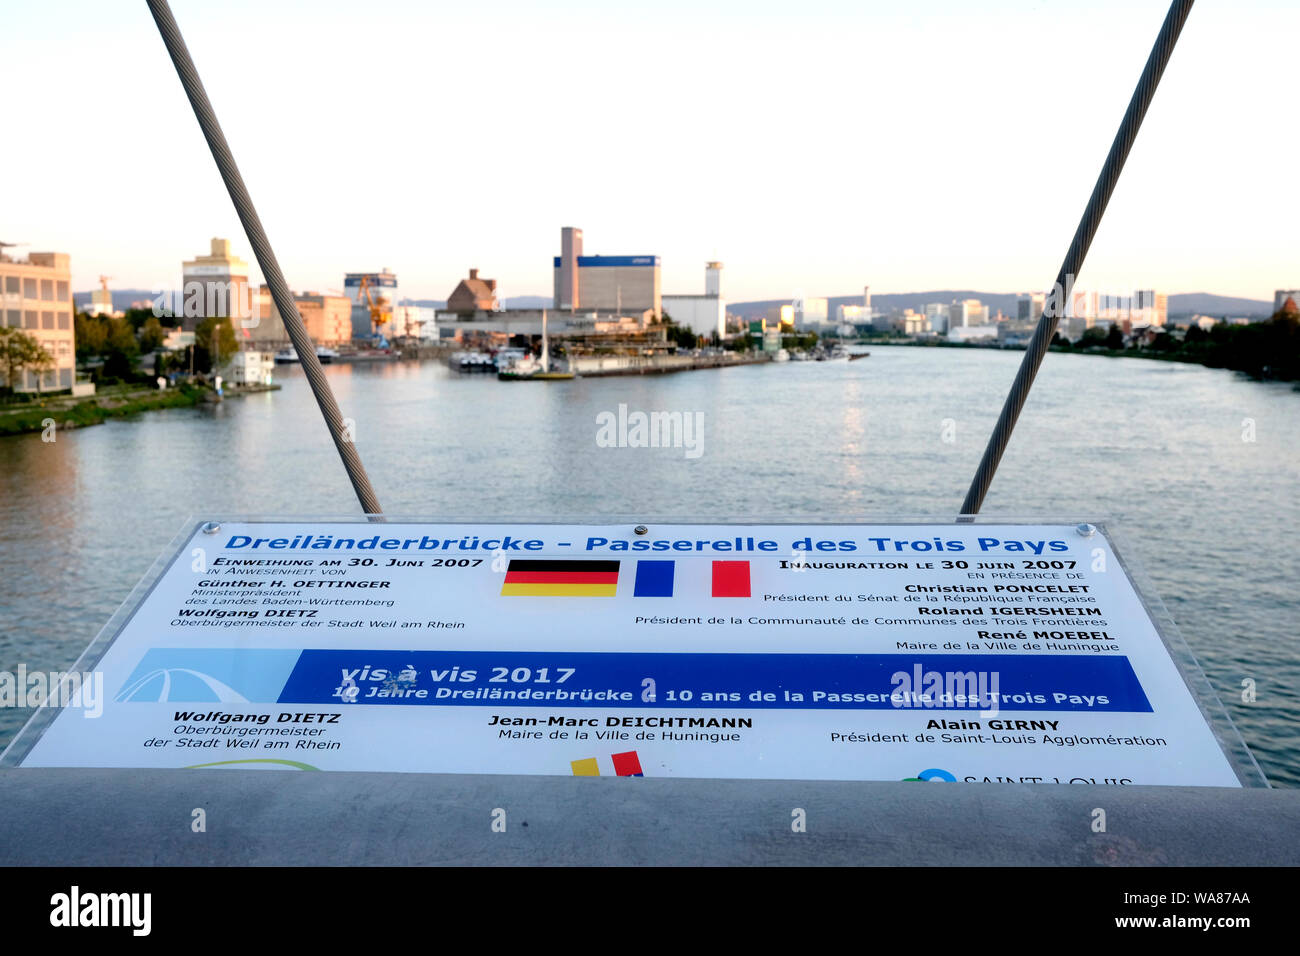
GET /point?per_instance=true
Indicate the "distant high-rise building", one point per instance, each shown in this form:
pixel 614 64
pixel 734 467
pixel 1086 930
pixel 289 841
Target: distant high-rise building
pixel 36 298
pixel 967 312
pixel 915 323
pixel 936 315
pixel 1114 308
pixel 1082 305
pixel 1152 307
pixel 215 285
pixel 1029 306
pixel 866 299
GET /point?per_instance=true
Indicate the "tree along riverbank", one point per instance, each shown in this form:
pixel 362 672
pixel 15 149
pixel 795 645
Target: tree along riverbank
pixel 1268 350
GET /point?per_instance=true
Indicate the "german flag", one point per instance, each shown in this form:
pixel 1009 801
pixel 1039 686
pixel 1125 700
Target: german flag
pixel 532 578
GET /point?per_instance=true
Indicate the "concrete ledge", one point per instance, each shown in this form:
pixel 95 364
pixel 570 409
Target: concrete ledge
pixel 142 817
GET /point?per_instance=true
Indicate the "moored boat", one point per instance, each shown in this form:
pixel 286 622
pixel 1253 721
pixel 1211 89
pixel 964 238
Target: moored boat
pixel 472 362
pixel 525 367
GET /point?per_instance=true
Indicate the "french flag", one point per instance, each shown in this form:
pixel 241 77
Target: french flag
pixel 657 578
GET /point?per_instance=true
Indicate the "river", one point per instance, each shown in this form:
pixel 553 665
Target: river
pixel 1197 467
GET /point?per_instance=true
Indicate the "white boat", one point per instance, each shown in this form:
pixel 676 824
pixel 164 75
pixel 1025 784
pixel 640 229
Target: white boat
pixel 522 366
pixel 526 367
pixel 836 353
pixel 289 356
pixel 507 357
pixel 781 356
pixel 472 362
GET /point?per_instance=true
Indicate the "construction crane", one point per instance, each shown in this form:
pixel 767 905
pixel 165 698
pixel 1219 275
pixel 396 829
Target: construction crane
pixel 101 302
pixel 377 305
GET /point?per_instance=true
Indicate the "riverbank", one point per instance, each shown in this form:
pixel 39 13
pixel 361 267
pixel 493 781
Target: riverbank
pixel 1182 356
pixel 63 412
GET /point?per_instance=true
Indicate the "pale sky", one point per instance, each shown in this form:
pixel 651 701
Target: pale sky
pixel 813 147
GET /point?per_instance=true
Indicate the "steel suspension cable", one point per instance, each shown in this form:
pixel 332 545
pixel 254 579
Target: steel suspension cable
pixel 1101 193
pixel 266 260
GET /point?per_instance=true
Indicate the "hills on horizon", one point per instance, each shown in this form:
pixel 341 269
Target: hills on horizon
pixel 1188 303
pixel 1185 303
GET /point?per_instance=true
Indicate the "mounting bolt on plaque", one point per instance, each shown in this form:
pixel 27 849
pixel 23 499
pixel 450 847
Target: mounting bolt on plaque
pixel 211 527
pixel 641 529
pixel 1085 529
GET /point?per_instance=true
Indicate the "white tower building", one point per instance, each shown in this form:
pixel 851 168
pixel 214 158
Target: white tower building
pixel 713 279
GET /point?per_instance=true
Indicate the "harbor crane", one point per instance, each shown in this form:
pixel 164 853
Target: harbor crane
pixel 377 305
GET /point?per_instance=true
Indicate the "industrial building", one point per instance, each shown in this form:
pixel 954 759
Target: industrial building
pixel 215 285
pixel 37 299
pixel 327 318
pixel 369 290
pixel 473 295
pixel 702 314
pixel 626 285
pixel 811 313
pixel 566 279
pixel 855 314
